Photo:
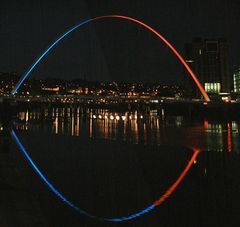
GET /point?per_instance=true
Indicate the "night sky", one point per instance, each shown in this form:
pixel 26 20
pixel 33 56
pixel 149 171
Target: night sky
pixel 113 49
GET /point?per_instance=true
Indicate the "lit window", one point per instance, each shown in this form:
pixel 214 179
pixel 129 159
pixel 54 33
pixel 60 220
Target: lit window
pixel 212 87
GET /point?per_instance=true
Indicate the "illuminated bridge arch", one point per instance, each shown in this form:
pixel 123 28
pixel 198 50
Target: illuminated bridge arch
pixel 23 78
pixel 172 188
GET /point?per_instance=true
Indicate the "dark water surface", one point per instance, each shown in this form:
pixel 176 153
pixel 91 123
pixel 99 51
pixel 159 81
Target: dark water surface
pixel 113 167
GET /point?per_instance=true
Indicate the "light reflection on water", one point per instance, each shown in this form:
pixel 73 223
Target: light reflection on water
pixel 91 174
pixel 152 128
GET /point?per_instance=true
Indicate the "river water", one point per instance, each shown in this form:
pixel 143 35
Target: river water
pixel 114 165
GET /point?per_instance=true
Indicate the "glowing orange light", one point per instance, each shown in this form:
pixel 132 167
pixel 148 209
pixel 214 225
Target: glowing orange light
pixel 229 138
pixel 206 124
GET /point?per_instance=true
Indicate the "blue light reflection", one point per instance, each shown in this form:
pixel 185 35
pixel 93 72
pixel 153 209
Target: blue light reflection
pixel 65 200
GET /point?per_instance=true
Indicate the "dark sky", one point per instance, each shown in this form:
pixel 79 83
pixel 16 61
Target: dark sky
pixel 113 49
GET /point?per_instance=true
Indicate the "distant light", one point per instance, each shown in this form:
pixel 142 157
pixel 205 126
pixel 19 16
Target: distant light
pixel 135 116
pixel 130 117
pixel 205 171
pixel 141 116
pixel 226 100
pixel 100 116
pixel 195 161
pixel 118 118
pixel 105 117
pixel 123 118
pixel 94 116
pixel 111 117
pixel 205 103
pixel 153 101
pixel 189 61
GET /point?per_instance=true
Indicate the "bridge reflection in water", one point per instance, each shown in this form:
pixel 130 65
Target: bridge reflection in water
pixel 156 203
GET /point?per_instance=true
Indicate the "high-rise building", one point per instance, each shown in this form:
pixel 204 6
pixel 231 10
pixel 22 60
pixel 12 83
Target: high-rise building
pixel 208 58
pixel 236 80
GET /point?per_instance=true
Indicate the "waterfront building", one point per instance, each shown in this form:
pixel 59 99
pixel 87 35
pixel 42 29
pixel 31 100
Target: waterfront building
pixel 208 58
